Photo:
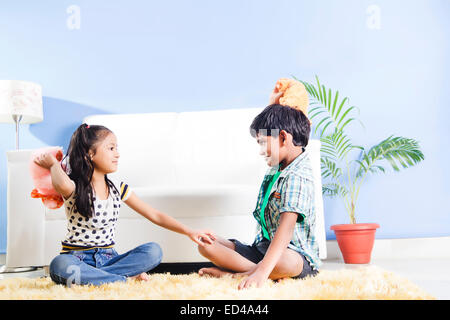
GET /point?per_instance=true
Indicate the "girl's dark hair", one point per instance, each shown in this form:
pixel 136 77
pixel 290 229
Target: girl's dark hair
pixel 276 117
pixel 81 168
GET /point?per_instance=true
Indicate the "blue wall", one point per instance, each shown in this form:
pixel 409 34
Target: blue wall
pixel 390 57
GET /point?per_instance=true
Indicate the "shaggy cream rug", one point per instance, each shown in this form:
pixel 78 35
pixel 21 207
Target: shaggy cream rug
pixel 365 282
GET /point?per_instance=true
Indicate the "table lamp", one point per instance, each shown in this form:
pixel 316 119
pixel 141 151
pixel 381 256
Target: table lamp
pixel 20 102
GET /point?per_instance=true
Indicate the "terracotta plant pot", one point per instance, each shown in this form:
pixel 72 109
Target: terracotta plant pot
pixel 355 241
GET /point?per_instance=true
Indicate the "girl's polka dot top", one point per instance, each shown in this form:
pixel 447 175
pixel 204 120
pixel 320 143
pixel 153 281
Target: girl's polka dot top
pixel 98 230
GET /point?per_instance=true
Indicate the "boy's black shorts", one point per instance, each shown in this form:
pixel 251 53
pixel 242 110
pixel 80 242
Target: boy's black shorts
pixel 255 253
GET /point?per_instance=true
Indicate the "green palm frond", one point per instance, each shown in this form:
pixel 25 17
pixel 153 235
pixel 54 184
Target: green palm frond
pixel 398 151
pixel 331 115
pixel 334 189
pixel 328 109
pixel 329 168
pixel 337 145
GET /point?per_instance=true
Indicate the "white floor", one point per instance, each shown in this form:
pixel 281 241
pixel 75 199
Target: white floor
pixel 431 275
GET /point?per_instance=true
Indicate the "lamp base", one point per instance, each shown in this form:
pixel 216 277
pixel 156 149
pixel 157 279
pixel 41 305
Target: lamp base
pixel 17 118
pixel 5 269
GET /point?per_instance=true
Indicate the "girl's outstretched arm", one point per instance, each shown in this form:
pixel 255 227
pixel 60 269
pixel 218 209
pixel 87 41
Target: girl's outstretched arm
pixel 60 180
pixel 166 221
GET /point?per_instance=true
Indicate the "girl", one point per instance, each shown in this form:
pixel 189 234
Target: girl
pixel 92 202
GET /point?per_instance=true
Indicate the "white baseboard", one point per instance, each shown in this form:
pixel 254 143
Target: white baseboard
pixel 427 248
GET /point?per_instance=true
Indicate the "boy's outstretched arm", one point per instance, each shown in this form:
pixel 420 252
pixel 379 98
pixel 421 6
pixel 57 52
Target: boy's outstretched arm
pixel 166 221
pixel 279 243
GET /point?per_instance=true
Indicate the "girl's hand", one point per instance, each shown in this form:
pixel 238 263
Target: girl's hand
pixel 45 160
pixel 202 236
pixel 255 278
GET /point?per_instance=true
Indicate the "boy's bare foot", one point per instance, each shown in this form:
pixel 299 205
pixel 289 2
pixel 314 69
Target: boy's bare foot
pixel 143 277
pixel 213 271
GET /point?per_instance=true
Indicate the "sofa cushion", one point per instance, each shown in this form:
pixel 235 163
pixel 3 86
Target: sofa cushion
pixel 145 143
pixel 197 201
pixel 216 147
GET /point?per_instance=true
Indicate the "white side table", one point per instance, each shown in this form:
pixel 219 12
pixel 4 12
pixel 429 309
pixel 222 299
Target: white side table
pixel 26 217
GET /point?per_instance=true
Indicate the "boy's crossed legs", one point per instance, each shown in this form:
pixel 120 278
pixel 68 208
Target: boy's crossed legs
pixel 223 254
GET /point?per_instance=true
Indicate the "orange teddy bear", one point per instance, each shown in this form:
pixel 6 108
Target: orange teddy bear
pixel 293 94
pixel 43 181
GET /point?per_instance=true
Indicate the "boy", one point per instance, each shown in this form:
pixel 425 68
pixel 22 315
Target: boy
pixel 285 245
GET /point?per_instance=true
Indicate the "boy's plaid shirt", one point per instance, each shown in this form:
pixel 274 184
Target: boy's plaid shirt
pixel 292 192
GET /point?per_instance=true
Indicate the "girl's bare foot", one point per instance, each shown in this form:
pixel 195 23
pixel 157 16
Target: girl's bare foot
pixel 143 277
pixel 213 271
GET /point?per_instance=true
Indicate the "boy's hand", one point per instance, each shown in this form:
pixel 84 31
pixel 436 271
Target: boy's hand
pixel 202 236
pixel 256 277
pixel 246 273
pixel 45 160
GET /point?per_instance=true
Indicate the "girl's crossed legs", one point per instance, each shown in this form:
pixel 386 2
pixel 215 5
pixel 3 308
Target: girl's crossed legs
pixel 99 266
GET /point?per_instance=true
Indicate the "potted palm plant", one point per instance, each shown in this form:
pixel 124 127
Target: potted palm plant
pixel 345 166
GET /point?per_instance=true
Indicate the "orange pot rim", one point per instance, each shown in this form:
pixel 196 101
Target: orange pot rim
pixel 354 226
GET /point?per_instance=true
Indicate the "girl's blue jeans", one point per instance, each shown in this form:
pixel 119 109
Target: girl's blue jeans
pixel 98 266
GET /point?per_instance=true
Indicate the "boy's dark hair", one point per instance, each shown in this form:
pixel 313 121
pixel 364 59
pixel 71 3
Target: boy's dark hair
pixel 81 168
pixel 276 117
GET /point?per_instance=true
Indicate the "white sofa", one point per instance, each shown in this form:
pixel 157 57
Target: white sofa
pixel 203 168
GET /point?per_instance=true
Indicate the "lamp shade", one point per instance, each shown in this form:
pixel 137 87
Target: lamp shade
pixel 21 98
